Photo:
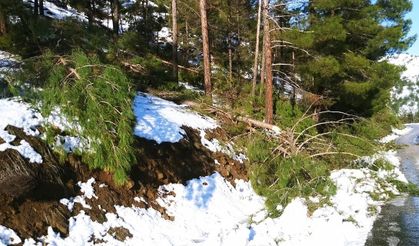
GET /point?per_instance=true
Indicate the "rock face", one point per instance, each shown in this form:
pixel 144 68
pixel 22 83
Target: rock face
pixel 21 179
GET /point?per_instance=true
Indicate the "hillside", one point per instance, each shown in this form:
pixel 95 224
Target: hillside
pixel 168 122
pixel 188 188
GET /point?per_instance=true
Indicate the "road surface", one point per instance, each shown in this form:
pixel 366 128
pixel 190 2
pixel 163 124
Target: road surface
pixel 398 222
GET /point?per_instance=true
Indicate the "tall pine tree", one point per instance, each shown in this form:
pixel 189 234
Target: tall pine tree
pixel 350 38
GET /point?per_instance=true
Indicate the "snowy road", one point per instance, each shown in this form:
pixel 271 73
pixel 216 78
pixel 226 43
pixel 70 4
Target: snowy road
pixel 398 223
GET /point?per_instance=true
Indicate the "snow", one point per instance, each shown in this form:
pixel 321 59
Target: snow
pixel 411 62
pixel 161 120
pixel 396 133
pixel 19 114
pixel 8 62
pixel 88 193
pixel 16 113
pixel 214 145
pixel 53 11
pixel 8 236
pixel 210 211
pixel 164 35
pixel 191 87
pixel 407 94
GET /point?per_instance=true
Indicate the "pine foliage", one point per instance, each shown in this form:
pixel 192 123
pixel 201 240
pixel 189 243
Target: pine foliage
pixel 99 98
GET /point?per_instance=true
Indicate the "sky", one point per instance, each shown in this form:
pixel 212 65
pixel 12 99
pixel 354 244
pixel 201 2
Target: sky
pixel 414 16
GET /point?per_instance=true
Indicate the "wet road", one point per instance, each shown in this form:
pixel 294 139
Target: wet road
pixel 398 222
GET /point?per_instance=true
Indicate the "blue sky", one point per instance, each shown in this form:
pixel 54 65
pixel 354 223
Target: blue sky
pixel 414 15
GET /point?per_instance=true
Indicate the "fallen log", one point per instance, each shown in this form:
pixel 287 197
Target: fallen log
pixel 259 124
pixel 137 68
pixel 179 66
pixel 247 120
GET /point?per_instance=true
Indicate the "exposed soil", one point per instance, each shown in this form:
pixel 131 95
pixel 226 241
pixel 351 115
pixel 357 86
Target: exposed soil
pixel 31 204
pixel 179 162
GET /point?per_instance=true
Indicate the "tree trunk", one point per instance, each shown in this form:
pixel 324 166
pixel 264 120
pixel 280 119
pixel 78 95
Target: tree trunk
pixel 186 33
pixel 268 65
pixel 229 43
pixel 255 65
pixel 90 8
pixel 230 63
pixel 205 46
pixel 35 7
pixel 293 95
pixel 262 70
pixel 3 23
pixel 175 41
pixel 41 7
pixel 115 15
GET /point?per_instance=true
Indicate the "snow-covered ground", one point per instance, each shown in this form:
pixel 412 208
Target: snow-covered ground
pixel 14 112
pixel 161 120
pixel 20 115
pixel 406 97
pixel 396 133
pixel 53 11
pixel 209 210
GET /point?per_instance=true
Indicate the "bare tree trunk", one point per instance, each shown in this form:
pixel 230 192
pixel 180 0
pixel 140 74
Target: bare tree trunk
pixel 35 7
pixel 41 7
pixel 268 65
pixel 293 96
pixel 262 70
pixel 205 46
pixel 230 63
pixel 255 65
pixel 175 41
pixel 3 23
pixel 229 43
pixel 90 12
pixel 115 15
pixel 186 33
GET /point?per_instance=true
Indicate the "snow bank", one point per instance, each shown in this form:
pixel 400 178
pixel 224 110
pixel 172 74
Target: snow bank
pixel 396 133
pixel 210 211
pixel 161 120
pixel 8 236
pixel 17 113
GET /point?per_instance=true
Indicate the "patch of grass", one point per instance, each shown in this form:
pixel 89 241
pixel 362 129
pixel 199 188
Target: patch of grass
pixel 409 188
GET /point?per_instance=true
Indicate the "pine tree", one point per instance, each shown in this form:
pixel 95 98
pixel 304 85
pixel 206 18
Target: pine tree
pixel 116 6
pixel 349 39
pixel 175 41
pixel 268 64
pixel 205 45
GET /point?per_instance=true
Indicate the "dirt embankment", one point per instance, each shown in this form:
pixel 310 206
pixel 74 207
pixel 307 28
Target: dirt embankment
pixel 30 193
